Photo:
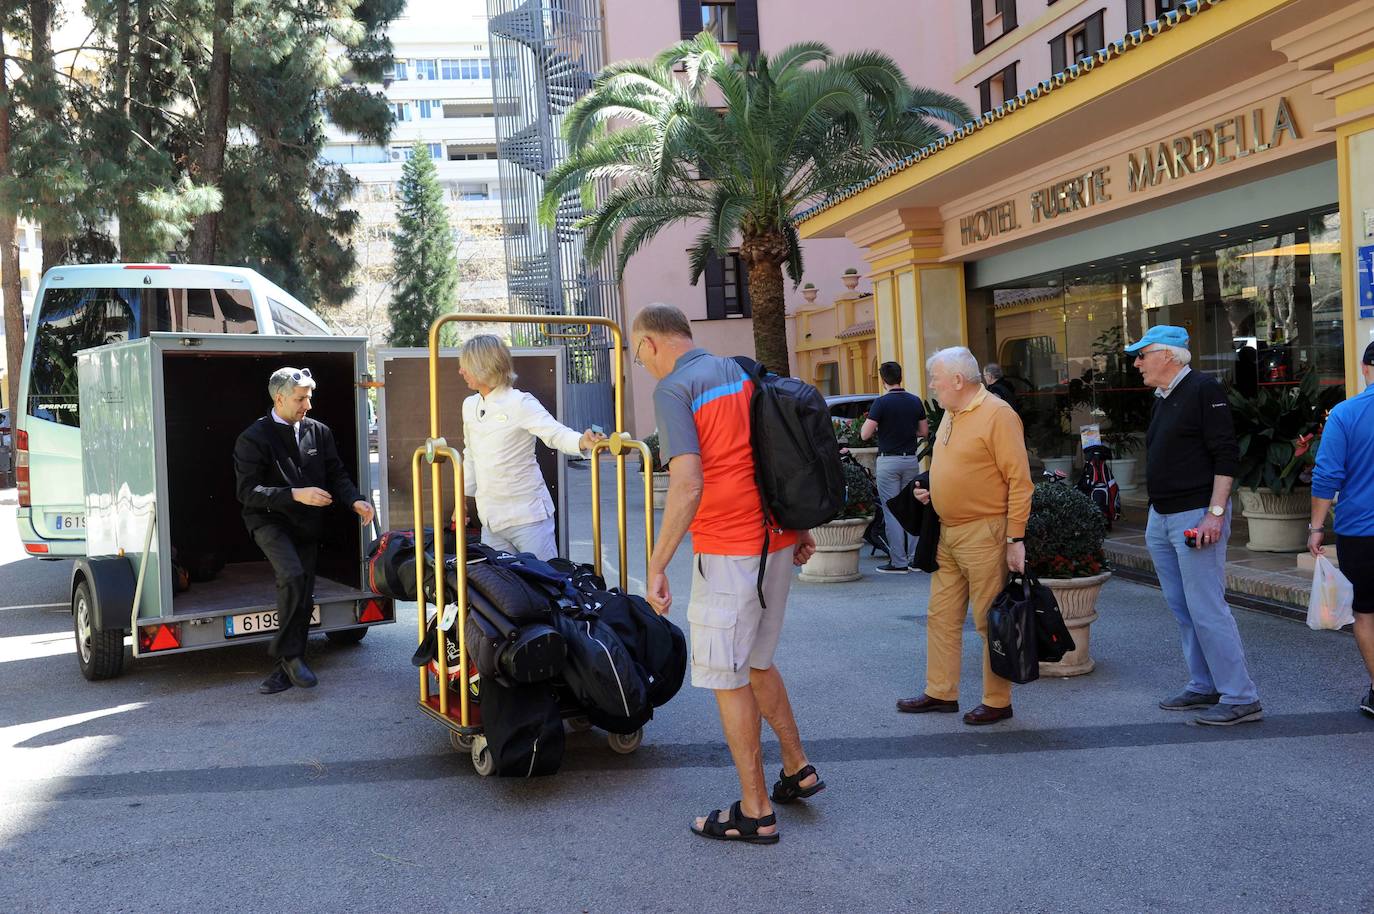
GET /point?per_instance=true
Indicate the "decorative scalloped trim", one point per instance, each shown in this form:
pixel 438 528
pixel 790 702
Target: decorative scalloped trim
pixel 1134 39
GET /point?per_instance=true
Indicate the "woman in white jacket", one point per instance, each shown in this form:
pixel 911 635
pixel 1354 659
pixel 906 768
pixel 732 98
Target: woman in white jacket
pixel 500 424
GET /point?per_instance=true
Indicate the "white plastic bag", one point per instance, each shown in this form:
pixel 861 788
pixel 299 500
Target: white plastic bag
pixel 1332 597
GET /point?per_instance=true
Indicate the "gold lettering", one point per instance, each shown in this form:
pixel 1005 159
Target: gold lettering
pixel 1142 171
pixel 1219 140
pixel 1202 150
pixel 1183 152
pixel 1283 123
pixel 1164 163
pixel 1037 205
pixel 1241 135
pixel 1100 182
pixel 1257 123
pixel 966 230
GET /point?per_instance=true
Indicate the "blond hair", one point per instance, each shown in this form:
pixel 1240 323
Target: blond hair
pixel 662 320
pixel 488 360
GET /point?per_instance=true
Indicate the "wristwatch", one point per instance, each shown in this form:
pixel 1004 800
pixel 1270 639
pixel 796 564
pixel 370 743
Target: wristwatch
pixel 1216 510
pixel 1015 539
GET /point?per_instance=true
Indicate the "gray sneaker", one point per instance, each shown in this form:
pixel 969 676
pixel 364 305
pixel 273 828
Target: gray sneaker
pixel 1189 701
pixel 1226 715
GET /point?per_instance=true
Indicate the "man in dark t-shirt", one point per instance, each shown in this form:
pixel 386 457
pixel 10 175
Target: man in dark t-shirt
pixel 899 419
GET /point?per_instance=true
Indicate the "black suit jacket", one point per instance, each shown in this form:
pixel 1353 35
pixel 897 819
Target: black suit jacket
pixel 268 465
pixel 920 521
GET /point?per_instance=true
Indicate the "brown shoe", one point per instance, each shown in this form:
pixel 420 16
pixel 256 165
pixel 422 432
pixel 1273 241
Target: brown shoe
pixel 923 703
pixel 987 715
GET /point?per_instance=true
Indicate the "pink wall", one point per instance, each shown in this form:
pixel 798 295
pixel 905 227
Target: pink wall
pixel 658 273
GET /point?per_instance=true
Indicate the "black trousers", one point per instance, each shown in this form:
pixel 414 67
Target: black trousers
pixel 293 556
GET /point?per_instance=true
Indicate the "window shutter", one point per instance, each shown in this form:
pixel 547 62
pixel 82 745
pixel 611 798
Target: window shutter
pixel 1009 89
pixel 747 26
pixel 985 96
pixel 1059 54
pixel 978 40
pixel 1008 15
pixel 689 12
pixel 715 289
pixel 1096 36
pixel 742 271
pixel 1135 15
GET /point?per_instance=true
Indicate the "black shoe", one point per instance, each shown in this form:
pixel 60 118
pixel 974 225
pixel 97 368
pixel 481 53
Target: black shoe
pixel 1367 706
pixel 300 673
pixel 276 682
pixel 890 568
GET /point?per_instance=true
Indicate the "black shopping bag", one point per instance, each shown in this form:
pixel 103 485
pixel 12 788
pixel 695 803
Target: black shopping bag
pixel 1011 634
pixel 1052 638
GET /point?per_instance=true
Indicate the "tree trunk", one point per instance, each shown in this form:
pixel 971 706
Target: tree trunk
pixel 765 256
pixel 211 165
pixel 9 257
pixel 41 68
pixel 123 100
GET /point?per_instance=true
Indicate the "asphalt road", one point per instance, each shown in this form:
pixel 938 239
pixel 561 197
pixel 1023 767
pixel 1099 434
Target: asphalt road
pixel 177 787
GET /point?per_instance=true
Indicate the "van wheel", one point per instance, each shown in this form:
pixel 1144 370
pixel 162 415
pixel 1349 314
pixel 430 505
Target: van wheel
pixel 100 654
pixel 347 635
pixel 625 743
pixel 482 761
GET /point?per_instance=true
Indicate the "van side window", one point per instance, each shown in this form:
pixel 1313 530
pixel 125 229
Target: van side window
pixel 71 320
pixel 205 310
pixel 289 323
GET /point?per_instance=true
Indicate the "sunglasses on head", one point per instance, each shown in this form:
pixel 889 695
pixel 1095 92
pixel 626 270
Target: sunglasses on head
pixel 302 373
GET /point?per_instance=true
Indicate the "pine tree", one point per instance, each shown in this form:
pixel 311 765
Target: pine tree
pixel 425 266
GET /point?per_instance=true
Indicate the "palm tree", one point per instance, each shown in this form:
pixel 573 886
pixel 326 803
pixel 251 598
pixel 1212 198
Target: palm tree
pixel 789 130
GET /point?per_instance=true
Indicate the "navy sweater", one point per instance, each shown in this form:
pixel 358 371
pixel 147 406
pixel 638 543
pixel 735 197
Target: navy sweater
pixel 1191 440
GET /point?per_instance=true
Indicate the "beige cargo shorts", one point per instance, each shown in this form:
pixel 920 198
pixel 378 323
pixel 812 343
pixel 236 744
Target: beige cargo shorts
pixel 731 630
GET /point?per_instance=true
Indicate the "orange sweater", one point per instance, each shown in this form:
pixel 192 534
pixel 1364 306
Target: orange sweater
pixel 979 468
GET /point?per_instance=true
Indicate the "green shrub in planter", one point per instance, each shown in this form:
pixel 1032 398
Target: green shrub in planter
pixel 860 495
pixel 1065 533
pixel 847 432
pixel 652 442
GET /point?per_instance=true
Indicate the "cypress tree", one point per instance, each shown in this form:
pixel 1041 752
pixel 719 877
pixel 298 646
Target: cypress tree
pixel 425 266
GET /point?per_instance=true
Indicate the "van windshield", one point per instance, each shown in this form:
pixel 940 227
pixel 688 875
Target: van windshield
pixel 71 320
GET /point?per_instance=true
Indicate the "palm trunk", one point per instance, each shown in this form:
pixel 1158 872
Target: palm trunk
pixel 211 165
pixel 765 256
pixel 9 256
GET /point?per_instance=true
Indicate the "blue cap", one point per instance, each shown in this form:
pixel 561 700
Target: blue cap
pixel 1163 335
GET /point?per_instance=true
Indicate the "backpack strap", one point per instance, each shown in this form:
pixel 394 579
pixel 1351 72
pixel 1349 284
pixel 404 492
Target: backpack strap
pixel 755 371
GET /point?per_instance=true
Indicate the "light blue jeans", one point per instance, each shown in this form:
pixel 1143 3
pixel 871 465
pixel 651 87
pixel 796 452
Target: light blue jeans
pixel 1194 584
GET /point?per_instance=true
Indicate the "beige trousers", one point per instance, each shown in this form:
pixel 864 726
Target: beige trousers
pixel 973 570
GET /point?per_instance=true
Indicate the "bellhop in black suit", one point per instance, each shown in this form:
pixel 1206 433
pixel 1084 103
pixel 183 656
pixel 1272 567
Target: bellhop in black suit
pixel 286 488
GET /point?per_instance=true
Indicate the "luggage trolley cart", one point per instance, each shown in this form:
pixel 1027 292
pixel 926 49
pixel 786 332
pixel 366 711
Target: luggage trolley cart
pixel 465 728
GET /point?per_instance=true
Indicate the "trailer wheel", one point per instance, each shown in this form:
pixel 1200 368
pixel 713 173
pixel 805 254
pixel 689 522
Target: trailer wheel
pixel 100 654
pixel 461 742
pixel 482 760
pixel 625 743
pixel 579 724
pixel 346 636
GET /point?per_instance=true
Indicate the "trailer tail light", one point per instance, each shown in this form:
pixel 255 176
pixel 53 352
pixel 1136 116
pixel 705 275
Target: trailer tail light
pixel 37 548
pixel 159 638
pixel 372 612
pixel 21 470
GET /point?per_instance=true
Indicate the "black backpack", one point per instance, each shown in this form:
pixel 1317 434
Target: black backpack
pixel 524 728
pixel 655 643
pixel 1098 483
pixel 599 671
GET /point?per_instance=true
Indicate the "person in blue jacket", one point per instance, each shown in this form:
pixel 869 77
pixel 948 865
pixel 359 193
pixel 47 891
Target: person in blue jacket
pixel 1345 467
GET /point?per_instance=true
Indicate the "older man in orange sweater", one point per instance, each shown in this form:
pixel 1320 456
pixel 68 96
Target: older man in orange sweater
pixel 981 488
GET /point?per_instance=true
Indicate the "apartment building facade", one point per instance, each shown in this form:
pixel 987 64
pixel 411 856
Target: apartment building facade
pixel 440 91
pixel 1203 163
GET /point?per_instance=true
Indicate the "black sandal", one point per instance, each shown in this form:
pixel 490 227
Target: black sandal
pixel 788 789
pixel 747 828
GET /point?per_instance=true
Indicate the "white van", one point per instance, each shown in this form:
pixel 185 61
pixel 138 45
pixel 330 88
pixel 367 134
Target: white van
pixel 79 307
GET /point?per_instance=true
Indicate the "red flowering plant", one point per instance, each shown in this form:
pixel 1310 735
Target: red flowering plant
pixel 1065 533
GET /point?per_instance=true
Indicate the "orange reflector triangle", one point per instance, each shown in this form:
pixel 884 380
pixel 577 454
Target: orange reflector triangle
pixel 165 639
pixel 372 612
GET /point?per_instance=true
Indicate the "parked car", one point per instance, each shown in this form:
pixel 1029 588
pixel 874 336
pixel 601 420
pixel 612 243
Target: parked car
pixel 849 406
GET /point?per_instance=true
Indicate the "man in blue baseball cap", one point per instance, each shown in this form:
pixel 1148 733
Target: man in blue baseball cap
pixel 1191 460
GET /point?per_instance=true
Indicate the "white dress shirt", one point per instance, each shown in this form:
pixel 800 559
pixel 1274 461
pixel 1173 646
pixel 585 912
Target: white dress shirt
pixel 295 426
pixel 499 466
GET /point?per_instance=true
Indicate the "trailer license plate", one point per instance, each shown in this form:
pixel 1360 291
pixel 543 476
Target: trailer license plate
pixel 66 522
pixel 255 623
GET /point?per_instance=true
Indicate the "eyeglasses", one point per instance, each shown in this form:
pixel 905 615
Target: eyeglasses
pixel 637 362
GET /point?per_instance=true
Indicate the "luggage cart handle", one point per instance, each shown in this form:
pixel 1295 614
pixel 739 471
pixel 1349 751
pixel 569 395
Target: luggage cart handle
pixel 620 444
pixel 434 452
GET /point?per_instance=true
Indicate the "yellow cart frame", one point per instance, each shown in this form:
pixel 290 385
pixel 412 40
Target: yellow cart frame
pixel 436 451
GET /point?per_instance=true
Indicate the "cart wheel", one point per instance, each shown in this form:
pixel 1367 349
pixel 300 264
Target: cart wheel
pixel 347 635
pixel 625 743
pixel 579 724
pixel 482 761
pixel 100 654
pixel 461 742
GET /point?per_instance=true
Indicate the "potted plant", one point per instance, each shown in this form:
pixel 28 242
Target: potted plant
pixel 1064 539
pixel 659 470
pixel 850 278
pixel 839 542
pixel 1275 429
pixel 1124 404
pixel 847 436
pixel 1046 435
pixel 809 291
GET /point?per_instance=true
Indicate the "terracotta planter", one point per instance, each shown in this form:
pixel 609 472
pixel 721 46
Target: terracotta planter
pixel 1077 599
pixel 866 456
pixel 851 280
pixel 837 552
pixel 1123 468
pixel 1278 523
pixel 660 490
